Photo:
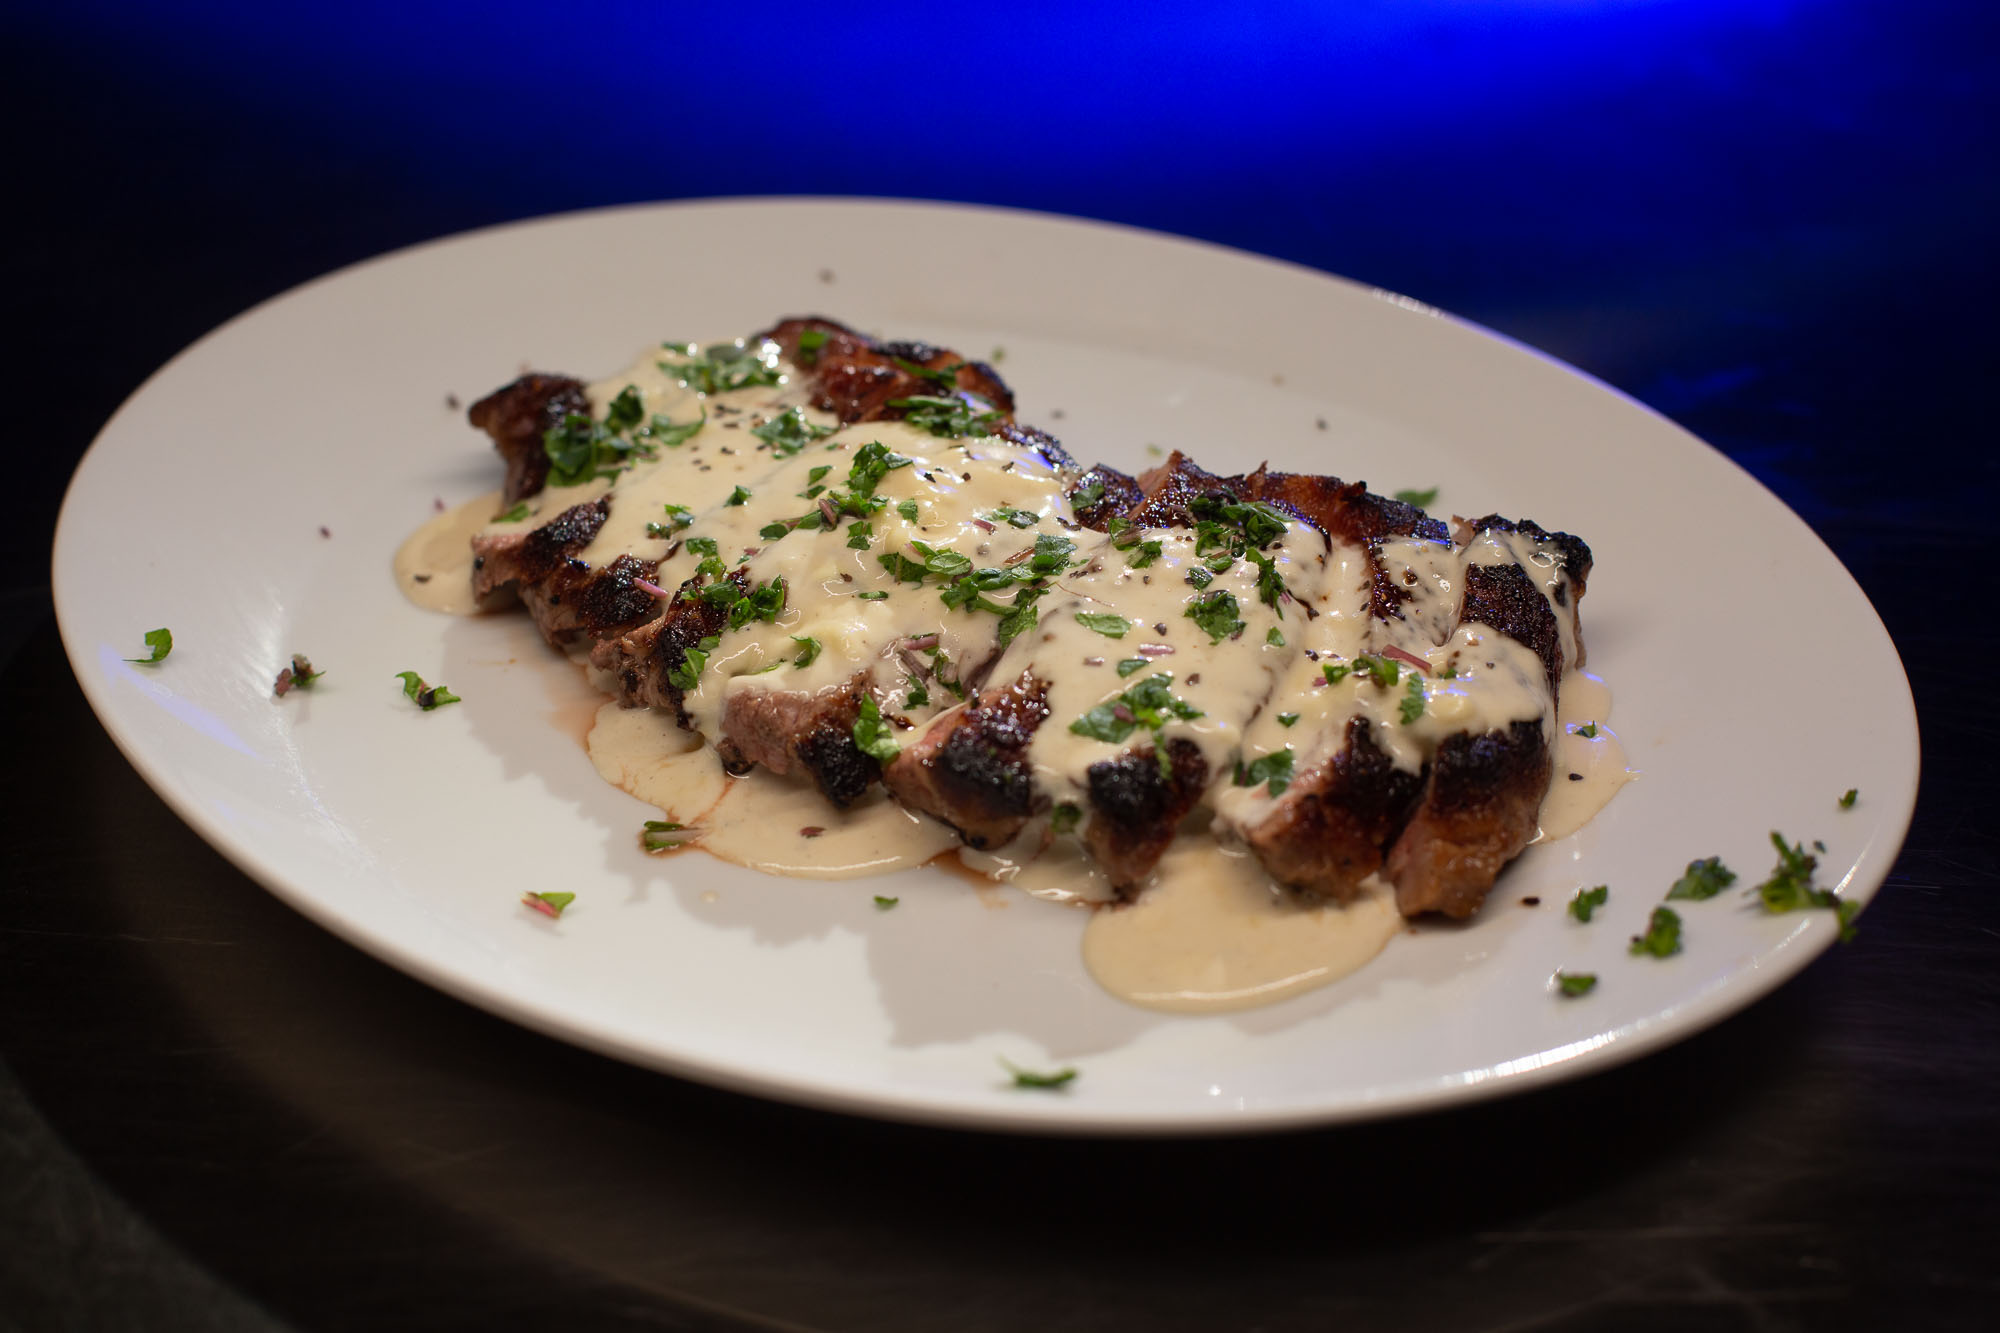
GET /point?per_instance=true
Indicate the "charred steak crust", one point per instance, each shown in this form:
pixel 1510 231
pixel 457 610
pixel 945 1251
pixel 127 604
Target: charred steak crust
pixel 687 621
pixel 517 416
pixel 971 770
pixel 1117 494
pixel 1328 832
pixel 1135 810
pixel 1506 599
pixel 856 377
pixel 1478 811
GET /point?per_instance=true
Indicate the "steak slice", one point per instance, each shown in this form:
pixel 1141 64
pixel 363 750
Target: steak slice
pixel 1484 790
pixel 518 415
pixel 971 769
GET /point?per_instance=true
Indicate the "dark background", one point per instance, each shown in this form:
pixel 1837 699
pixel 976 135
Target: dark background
pixel 1774 222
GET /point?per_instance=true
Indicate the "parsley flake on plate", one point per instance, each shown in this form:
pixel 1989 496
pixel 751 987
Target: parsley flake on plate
pixel 1588 901
pixel 1663 935
pixel 1576 983
pixel 161 642
pixel 1028 1078
pixel 1704 879
pixel 424 696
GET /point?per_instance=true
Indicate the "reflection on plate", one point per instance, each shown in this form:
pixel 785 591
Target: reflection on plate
pixel 415 834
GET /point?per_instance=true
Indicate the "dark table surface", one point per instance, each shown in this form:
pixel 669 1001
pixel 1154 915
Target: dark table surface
pixel 1774 222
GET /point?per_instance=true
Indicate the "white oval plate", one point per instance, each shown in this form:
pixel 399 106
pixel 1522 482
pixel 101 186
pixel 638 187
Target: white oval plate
pixel 1754 682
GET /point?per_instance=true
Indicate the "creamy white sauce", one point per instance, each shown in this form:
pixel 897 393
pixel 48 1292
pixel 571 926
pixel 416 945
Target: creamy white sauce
pixel 434 564
pixel 1598 761
pixel 1214 934
pixel 1210 932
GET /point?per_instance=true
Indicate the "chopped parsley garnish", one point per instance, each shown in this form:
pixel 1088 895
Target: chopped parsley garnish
pixel 944 377
pixel 159 642
pixel 1064 818
pixel 1088 494
pixel 808 650
pixel 663 835
pixel 810 341
pixel 1588 901
pixel 548 904
pixel 873 736
pixel 687 674
pixel 1110 626
pixel 1576 983
pixel 581 450
pixel 1224 523
pixel 298 676
pixel 1790 887
pixel 908 509
pixel 1270 583
pixel 1019 518
pixel 1849 797
pixel 1421 499
pixel 772 532
pixel 948 418
pixel 514 515
pixel 678 517
pixel 1052 553
pixel 662 431
pixel 1021 616
pixel 1274 770
pixel 1704 879
pixel 876 596
pixel 1028 1078
pixel 1335 672
pixel 1663 935
pixel 860 535
pixel 916 696
pixel 422 695
pixel 737 496
pixel 765 602
pixel 723 367
pixel 704 546
pixel 883 904
pixel 1150 704
pixel 1198 576
pixel 1588 731
pixel 1130 664
pixel 1384 671
pixel 627 410
pixel 789 431
pixel 1144 554
pixel 1412 705
pixel 1275 638
pixel 1288 719
pixel 1215 612
pixel 871 463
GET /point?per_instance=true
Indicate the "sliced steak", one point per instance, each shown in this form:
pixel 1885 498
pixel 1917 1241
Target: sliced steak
pixel 1483 790
pixel 518 416
pixel 971 769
